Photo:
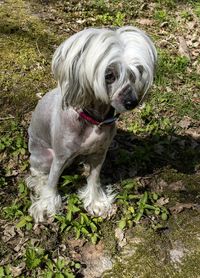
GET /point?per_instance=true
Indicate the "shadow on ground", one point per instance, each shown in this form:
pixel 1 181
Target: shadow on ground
pixel 130 156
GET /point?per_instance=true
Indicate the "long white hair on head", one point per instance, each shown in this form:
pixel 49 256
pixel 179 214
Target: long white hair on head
pixel 79 65
pixel 140 55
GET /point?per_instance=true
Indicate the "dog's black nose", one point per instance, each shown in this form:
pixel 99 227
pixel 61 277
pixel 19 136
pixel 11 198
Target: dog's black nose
pixel 129 105
pixel 130 102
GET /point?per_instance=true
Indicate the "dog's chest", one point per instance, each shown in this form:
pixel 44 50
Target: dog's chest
pixel 95 140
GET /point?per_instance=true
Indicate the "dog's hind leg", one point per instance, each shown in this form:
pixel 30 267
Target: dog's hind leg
pixel 40 163
pixel 49 201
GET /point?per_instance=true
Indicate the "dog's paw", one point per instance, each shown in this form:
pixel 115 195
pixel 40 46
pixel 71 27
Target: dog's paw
pixel 101 210
pixel 97 202
pixel 45 207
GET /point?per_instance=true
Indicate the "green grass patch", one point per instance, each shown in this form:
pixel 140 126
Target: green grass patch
pixel 36 257
pixel 134 207
pixel 13 148
pixel 170 67
pixel 19 207
pixel 75 220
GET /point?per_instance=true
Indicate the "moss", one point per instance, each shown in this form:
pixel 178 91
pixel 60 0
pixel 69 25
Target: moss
pixel 107 229
pixel 149 254
pixel 25 57
pixel 191 262
pixel 190 190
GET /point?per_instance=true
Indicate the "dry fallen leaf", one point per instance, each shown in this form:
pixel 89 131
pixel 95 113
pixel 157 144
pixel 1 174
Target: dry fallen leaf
pixel 74 243
pixel 191 25
pixel 194 133
pixel 17 271
pixel 196 100
pixel 176 186
pixel 183 48
pixel 185 122
pixel 161 185
pixel 92 252
pixel 181 206
pixel 96 259
pixel 8 233
pixel 145 21
pixel 162 201
pixel 120 236
pixel 20 247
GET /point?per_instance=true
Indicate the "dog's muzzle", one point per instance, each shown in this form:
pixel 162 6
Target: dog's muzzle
pixel 130 100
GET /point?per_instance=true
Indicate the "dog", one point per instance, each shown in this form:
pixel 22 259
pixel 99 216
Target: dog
pixel 101 73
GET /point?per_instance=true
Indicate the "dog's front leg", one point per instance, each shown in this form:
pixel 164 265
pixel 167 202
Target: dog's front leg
pixel 49 201
pixel 96 200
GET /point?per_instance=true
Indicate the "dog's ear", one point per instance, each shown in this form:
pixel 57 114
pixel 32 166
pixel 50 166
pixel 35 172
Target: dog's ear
pixel 66 67
pixel 77 67
pixel 140 69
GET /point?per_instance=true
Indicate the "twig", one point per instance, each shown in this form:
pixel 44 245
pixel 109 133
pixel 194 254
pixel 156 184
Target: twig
pixel 38 49
pixel 7 118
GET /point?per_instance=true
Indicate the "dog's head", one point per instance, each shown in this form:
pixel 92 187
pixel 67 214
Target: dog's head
pixel 114 67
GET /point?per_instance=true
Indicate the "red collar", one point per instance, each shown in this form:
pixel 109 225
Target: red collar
pixel 108 121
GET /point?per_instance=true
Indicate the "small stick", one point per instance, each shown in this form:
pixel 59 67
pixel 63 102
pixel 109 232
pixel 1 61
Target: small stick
pixel 7 118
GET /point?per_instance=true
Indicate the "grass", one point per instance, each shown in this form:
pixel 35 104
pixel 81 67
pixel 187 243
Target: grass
pixel 152 145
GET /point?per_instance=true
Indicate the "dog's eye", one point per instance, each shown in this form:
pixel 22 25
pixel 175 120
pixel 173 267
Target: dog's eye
pixel 110 77
pixel 132 77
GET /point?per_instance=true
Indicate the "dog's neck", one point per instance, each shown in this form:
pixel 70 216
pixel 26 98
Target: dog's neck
pixel 99 115
pixel 99 112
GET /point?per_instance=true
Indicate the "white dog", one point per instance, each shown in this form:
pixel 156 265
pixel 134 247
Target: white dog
pixel 100 73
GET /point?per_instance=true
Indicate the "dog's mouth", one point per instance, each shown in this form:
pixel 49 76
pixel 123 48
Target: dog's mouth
pixel 111 112
pixel 111 116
